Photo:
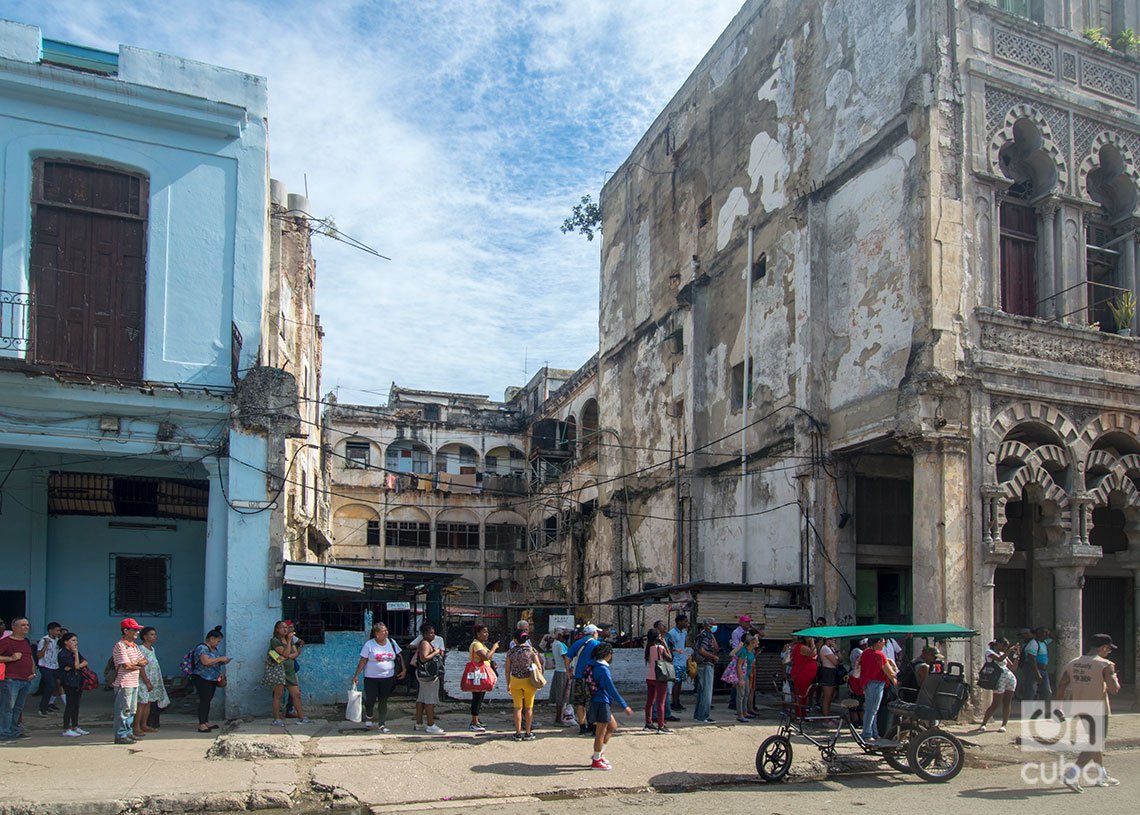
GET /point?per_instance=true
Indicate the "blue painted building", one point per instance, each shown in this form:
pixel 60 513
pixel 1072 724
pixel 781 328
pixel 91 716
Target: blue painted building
pixel 139 438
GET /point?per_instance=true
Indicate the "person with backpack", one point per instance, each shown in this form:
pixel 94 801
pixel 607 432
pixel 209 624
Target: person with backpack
pixel 524 663
pixel 207 675
pixel 428 660
pixel 603 694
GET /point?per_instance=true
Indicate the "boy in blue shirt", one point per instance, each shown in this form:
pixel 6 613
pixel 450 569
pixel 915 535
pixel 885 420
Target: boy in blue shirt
pixel 604 694
pixel 581 651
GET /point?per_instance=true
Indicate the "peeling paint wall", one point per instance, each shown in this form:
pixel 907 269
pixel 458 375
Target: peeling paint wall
pixel 790 128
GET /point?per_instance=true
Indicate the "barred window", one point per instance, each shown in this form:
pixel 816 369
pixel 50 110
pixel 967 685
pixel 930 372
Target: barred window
pixel 356 454
pixel 505 537
pixel 457 536
pixel 140 584
pixel 407 533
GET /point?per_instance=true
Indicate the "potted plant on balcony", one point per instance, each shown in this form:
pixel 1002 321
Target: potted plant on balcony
pixel 1123 309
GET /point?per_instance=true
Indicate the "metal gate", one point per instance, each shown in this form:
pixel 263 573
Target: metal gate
pixel 1107 609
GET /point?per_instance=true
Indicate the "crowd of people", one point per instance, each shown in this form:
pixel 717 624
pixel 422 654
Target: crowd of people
pixel 582 688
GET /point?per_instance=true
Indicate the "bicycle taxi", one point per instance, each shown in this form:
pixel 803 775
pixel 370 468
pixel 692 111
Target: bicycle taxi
pixel 916 742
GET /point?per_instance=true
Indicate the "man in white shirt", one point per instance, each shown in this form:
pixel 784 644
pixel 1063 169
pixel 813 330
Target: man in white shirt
pixel 892 651
pixel 47 657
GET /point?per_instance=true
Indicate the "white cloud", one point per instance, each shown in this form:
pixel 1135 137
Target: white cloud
pixel 453 137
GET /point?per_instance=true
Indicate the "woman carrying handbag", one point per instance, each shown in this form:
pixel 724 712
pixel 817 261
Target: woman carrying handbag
pixel 524 666
pixel 479 675
pixel 659 661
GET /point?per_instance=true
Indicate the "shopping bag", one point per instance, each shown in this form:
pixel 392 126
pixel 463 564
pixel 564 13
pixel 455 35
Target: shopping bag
pixel 568 715
pixel 477 677
pixel 354 710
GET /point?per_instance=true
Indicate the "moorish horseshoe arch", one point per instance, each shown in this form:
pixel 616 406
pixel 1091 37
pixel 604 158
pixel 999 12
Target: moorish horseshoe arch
pixel 1005 135
pixel 1091 161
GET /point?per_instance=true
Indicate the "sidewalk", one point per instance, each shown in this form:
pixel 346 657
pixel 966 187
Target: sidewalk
pixel 252 765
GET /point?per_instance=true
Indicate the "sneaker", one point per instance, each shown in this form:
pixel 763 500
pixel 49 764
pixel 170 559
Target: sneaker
pixel 529 737
pixel 278 722
pixel 582 730
pixel 664 730
pixel 383 729
pixel 127 740
pixel 1073 782
pixel 305 720
pixel 678 707
pixel 368 724
pixel 52 707
pixel 600 764
pixel 517 737
pixel 434 729
pixel 71 734
pixel 981 729
pixel 708 721
pixel 81 731
pixel 649 726
pixel 672 718
pixel 417 726
pixel 42 714
pixel 476 728
pixel 1000 729
pixel 1107 780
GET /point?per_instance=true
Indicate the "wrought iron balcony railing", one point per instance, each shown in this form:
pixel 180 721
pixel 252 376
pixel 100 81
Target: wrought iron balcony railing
pixel 15 320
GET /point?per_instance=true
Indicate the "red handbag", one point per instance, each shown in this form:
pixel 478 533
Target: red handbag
pixel 478 677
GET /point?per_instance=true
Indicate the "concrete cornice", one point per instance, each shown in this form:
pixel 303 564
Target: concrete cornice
pixel 116 99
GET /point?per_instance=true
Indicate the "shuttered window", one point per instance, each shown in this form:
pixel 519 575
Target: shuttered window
pixel 88 269
pixel 140 584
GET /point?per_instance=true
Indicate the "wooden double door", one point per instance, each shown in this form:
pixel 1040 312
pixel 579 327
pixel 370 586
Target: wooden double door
pixel 88 269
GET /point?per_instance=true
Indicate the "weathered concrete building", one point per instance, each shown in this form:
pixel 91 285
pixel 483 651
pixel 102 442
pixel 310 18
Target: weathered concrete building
pixel 462 490
pixel 294 343
pixel 143 425
pixel 858 271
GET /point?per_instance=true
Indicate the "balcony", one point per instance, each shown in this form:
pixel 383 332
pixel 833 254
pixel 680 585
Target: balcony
pixel 1045 52
pixel 1047 349
pixel 15 319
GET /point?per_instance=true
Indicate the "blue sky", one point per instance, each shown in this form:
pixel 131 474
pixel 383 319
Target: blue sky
pixel 451 136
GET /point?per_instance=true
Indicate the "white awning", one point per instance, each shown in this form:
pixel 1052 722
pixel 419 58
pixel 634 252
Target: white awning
pixel 324 577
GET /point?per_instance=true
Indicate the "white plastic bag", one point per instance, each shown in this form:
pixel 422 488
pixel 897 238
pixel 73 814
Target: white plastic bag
pixel 354 710
pixel 568 715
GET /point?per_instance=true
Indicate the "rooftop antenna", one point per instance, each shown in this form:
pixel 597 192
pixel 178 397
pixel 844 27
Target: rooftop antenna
pixel 306 177
pixel 525 366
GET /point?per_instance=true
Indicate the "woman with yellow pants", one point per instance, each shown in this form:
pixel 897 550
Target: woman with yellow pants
pixel 523 662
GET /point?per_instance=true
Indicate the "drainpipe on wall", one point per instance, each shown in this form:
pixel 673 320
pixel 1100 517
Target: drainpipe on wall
pixel 747 395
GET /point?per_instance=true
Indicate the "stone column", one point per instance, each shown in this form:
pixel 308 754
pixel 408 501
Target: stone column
pixel 1128 274
pixel 1068 564
pixel 1068 592
pixel 1047 261
pixel 940 565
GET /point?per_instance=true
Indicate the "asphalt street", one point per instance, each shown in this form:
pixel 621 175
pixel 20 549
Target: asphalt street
pixel 998 789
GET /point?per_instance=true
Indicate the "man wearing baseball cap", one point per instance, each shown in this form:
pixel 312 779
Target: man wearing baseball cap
pixel 128 659
pixel 581 652
pixel 1091 678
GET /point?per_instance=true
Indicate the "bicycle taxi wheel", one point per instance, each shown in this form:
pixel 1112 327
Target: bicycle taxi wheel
pixel 774 758
pixel 935 755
